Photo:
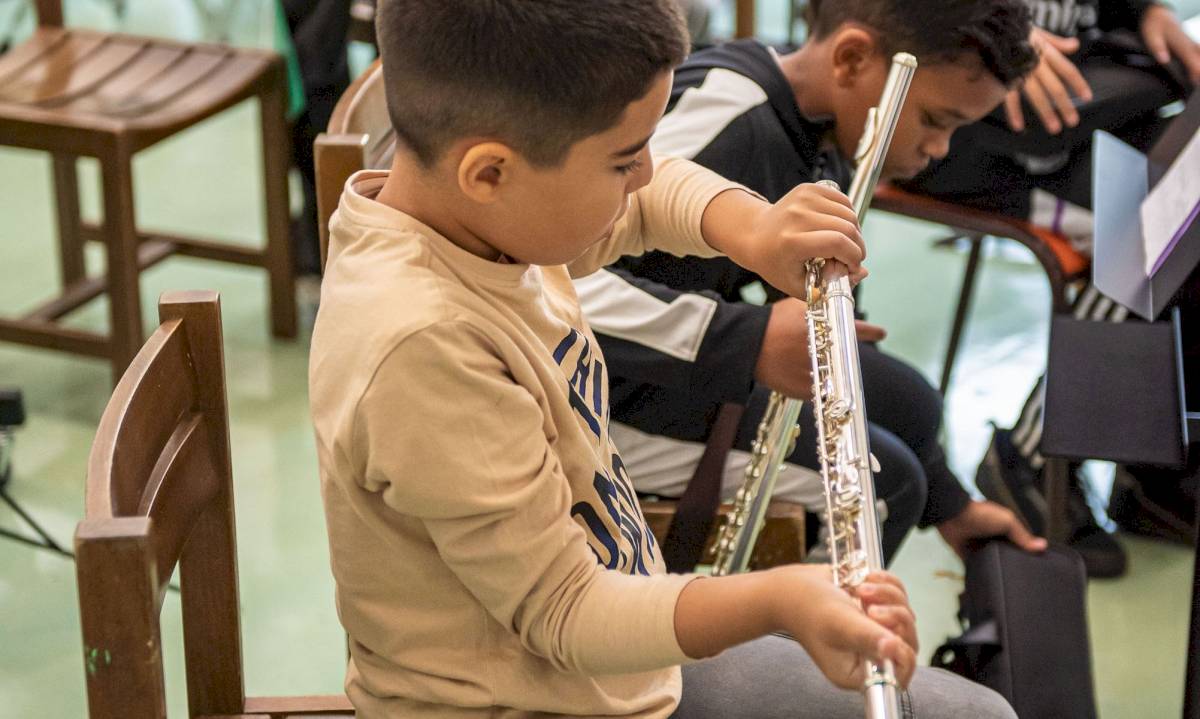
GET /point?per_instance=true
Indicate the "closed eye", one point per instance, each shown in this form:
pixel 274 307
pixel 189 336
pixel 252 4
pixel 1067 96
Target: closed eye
pixel 630 168
pixel 930 121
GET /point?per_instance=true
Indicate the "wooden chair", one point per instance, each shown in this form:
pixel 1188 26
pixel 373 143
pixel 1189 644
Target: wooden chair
pixel 76 93
pixel 1058 259
pixel 159 493
pixel 360 136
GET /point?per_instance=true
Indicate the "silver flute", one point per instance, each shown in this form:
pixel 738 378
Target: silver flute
pixel 847 465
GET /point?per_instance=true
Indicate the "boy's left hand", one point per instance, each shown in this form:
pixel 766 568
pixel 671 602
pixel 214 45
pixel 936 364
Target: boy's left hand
pixel 1165 38
pixel 885 600
pixel 776 240
pixel 1051 85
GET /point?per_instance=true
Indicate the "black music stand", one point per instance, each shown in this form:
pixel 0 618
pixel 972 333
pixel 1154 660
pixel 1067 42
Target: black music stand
pixel 1117 391
pixel 12 415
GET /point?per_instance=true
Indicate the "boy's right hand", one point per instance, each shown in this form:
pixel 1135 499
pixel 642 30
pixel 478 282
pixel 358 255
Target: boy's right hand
pixel 776 240
pixel 835 631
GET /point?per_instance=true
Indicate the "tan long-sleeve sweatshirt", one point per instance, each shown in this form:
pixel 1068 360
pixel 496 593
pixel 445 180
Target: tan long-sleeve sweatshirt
pixel 489 553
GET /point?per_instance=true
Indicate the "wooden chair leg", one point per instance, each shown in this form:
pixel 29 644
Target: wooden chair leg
pixel 122 651
pixel 965 294
pixel 70 241
pixel 121 246
pixel 276 142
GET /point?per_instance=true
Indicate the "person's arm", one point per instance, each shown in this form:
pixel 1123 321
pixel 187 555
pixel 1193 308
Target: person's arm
pixel 946 499
pixel 664 215
pixel 801 600
pixel 689 210
pixel 1165 38
pixel 690 341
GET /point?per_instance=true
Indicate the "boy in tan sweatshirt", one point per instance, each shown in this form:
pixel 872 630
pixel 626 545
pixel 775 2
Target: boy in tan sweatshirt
pixel 490 556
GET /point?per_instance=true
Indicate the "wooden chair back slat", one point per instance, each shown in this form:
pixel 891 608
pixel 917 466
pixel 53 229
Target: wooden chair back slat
pixel 335 159
pixel 362 109
pixel 160 481
pixel 359 137
pixel 125 450
pixel 182 484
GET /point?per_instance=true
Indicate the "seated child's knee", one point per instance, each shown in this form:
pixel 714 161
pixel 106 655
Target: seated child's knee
pixel 939 694
pixel 990 705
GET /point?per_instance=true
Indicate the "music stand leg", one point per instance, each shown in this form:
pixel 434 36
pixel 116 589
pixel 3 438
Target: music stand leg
pixel 1191 684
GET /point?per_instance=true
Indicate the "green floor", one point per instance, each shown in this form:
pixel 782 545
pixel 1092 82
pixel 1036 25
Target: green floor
pixel 207 180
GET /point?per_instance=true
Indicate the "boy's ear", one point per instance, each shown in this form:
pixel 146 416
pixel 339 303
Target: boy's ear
pixel 854 49
pixel 484 169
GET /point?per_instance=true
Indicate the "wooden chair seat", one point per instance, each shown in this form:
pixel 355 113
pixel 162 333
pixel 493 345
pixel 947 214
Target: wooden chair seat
pixel 80 93
pixel 781 541
pixel 145 88
pixel 1058 258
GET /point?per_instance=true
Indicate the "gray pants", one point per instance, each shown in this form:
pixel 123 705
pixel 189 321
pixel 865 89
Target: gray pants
pixel 774 677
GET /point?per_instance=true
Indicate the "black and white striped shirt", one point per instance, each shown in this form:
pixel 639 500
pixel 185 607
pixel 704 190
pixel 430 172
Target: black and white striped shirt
pixel 678 338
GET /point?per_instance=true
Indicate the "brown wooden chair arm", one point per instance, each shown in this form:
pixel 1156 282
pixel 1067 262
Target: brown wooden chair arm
pixel 1061 261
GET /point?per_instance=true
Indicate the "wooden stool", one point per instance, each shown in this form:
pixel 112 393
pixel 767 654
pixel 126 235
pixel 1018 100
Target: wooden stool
pixel 76 93
pixel 1058 259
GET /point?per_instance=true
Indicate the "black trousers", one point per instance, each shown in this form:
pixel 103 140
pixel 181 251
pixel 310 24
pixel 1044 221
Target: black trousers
pixel 318 29
pixel 905 414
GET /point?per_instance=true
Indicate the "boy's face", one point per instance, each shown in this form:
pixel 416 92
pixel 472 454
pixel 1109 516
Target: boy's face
pixel 942 98
pixel 552 215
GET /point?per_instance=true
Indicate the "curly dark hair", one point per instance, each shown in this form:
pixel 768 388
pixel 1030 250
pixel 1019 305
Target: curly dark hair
pixel 996 31
pixel 539 75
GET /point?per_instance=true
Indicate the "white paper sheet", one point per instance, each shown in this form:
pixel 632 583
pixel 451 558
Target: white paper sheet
pixel 1172 206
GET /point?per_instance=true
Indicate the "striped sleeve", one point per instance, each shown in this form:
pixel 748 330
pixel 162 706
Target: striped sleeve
pixel 689 341
pixel 704 112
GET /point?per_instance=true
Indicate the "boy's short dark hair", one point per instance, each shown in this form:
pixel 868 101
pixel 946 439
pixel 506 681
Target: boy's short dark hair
pixel 996 31
pixel 539 75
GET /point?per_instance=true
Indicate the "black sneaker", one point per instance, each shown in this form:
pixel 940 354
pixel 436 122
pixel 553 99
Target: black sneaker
pixel 1158 508
pixel 1007 478
pixel 1103 556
